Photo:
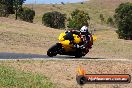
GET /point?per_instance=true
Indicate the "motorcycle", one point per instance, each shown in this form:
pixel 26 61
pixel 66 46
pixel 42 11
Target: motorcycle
pixel 66 45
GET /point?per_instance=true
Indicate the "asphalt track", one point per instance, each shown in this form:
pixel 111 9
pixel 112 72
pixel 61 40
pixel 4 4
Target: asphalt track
pixel 15 56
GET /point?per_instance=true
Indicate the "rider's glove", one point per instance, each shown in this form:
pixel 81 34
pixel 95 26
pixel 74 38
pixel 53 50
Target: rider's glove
pixel 82 47
pixel 76 46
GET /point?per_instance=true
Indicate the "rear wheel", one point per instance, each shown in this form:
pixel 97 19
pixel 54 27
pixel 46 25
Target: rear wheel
pixel 78 53
pixel 78 56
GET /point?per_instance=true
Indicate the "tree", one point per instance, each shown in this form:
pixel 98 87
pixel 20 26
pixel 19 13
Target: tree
pixel 6 7
pixel 78 19
pixel 54 19
pixel 3 11
pixel 123 18
pixel 10 7
pixel 9 4
pixel 17 6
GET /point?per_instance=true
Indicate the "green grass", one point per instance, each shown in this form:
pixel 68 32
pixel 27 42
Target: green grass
pixel 11 78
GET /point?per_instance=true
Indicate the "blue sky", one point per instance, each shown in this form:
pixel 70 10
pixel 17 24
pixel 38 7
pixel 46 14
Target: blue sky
pixel 51 1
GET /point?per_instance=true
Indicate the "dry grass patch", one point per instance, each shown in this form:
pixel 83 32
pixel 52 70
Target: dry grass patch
pixel 109 46
pixel 18 36
pixel 23 37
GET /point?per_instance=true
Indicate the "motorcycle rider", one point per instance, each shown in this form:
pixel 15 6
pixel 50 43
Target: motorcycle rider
pixel 86 37
pixel 83 34
pixel 69 35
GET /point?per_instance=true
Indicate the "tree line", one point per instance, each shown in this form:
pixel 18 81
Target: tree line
pixel 8 7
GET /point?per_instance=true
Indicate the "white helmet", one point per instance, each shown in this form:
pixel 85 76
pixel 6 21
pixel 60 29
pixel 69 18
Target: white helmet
pixel 84 29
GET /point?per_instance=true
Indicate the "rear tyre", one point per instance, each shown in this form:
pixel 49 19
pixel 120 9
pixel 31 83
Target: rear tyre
pixel 78 54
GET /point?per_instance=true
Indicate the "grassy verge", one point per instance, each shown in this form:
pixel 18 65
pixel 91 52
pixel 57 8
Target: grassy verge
pixel 63 72
pixel 11 78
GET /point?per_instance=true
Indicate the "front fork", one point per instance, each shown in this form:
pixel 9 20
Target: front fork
pixel 60 48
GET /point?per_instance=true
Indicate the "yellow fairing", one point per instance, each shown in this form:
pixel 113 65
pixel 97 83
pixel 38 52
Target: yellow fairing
pixel 77 39
pixel 61 36
pixel 66 43
pixel 94 37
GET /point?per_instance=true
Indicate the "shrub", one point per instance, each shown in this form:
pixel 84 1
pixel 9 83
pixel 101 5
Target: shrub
pixel 54 19
pixel 110 21
pixel 78 19
pixel 82 2
pixel 53 5
pixel 26 14
pixel 62 3
pixel 102 18
pixel 123 18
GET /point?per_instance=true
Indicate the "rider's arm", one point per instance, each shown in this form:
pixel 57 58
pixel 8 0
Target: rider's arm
pixel 75 32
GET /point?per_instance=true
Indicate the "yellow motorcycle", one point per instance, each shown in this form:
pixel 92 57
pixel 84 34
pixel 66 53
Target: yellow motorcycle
pixel 66 46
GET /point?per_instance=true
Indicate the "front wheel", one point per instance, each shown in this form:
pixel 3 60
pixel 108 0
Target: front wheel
pixel 51 54
pixel 53 51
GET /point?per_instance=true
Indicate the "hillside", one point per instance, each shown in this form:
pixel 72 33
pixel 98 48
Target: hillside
pixel 23 37
pixel 93 7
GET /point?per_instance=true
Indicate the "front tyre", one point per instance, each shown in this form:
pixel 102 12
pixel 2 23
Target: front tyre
pixel 53 51
pixel 51 54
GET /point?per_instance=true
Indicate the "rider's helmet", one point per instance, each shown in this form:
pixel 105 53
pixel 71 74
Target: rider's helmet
pixel 84 30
